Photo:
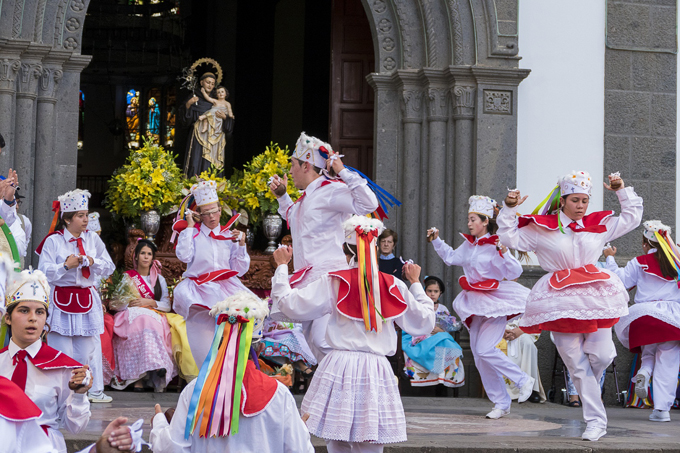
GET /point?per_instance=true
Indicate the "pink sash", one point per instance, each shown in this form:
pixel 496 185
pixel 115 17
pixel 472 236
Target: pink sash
pixel 142 286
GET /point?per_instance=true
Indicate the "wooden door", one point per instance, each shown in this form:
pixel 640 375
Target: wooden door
pixel 351 115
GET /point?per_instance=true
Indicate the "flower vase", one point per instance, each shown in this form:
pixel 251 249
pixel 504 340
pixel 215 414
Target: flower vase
pixel 151 223
pixel 273 225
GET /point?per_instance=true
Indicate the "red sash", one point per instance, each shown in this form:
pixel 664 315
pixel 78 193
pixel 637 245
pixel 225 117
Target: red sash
pixel 579 276
pixel 349 301
pixel 73 299
pixel 142 287
pixel 650 265
pixel 49 359
pixel 486 285
pixel 298 276
pixel 214 276
pixel 15 405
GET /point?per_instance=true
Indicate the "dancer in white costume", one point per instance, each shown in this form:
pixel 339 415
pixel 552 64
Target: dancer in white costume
pixel 576 301
pixel 489 298
pixel 315 221
pixel 652 326
pixel 353 402
pixel 215 258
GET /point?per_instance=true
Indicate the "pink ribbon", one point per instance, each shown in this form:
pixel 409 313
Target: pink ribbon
pixel 223 404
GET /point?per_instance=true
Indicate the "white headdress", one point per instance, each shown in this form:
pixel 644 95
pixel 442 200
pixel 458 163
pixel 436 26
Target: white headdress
pixel 575 182
pixel 73 201
pixel 28 285
pixel 244 304
pixel 312 150
pixel 205 192
pixel 655 226
pixel 480 204
pixel 93 222
pixel 365 224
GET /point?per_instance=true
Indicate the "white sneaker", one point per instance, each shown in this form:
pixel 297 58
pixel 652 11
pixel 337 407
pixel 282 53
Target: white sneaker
pixel 99 397
pixel 527 388
pixel 496 413
pixel 660 416
pixel 593 433
pixel 641 382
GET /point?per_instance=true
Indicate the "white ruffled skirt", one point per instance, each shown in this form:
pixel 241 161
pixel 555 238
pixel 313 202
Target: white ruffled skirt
pixel 668 312
pixel 509 299
pixel 354 397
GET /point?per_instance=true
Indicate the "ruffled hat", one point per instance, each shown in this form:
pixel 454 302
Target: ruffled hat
pixel 205 192
pixel 73 201
pixel 655 226
pixel 483 205
pixel 93 222
pixel 28 285
pixel 311 149
pixel 216 399
pixel 575 182
pixel 362 225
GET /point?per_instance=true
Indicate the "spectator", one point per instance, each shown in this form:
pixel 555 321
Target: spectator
pixel 388 263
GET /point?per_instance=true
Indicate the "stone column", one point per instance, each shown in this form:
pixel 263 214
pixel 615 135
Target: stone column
pixel 437 117
pixel 412 118
pixel 10 63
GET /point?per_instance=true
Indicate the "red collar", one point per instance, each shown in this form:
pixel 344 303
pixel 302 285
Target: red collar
pixel 549 222
pixel 491 240
pixel 49 359
pixel 650 265
pixel 42 243
pixel 258 390
pixel 14 404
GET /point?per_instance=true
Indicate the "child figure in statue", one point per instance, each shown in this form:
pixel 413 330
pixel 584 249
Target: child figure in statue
pixel 218 104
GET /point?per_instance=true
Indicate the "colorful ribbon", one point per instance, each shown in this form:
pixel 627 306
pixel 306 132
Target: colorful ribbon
pixel 671 251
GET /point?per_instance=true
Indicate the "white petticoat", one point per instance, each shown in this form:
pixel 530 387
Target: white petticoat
pixel 354 397
pixel 668 312
pixel 509 299
pixel 596 300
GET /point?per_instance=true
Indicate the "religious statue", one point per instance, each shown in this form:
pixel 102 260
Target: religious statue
pixel 210 117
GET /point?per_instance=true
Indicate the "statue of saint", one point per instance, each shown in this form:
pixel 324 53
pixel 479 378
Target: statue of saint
pixel 210 118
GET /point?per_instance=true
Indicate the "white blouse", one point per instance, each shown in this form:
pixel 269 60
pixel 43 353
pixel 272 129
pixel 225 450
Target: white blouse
pixel 650 288
pixel 314 243
pixel 204 254
pixel 60 406
pixel 479 262
pixel 557 251
pixel 320 297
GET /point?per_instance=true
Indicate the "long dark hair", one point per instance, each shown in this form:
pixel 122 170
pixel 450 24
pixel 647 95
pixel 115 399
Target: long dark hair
pixel 63 217
pixel 666 266
pixel 43 335
pixel 492 227
pixel 157 290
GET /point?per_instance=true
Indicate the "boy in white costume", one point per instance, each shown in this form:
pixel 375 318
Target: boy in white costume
pixel 215 258
pixel 577 301
pixel 316 218
pixel 266 420
pixel 353 402
pixel 652 327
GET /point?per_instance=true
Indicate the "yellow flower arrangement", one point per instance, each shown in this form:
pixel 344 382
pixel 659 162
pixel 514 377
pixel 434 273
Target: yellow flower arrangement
pixel 150 179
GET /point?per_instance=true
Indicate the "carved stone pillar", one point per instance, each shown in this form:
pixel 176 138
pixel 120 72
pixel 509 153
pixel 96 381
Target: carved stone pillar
pixel 412 117
pixel 10 63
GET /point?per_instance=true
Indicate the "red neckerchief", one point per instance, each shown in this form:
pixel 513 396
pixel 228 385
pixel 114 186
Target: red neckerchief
pixel 15 405
pixel 49 359
pixel 481 241
pixel 592 223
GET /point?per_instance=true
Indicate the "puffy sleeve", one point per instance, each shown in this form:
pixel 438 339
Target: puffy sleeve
pixel 185 249
pixel 302 304
pixel 628 274
pixel 522 239
pixel 285 202
pixel 296 437
pixel 103 264
pixel 353 197
pixel 49 263
pixel 74 408
pixel 630 217
pixel 450 256
pixel 239 260
pixel 169 437
pixel 20 237
pixel 164 303
pixel 419 318
pixel 8 213
pixel 508 266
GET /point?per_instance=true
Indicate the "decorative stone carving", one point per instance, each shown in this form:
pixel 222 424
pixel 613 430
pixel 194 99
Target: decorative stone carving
pixel 8 73
pixel 384 26
pixel 40 21
pixel 388 44
pixel 438 103
pixel 70 43
pixel 72 24
pixel 389 64
pixel 498 102
pixel 501 45
pixel 59 21
pixel 431 35
pixel 77 5
pixel 457 32
pixel 30 74
pixel 379 6
pixel 463 102
pixel 412 105
pixel 405 30
pixel 49 80
pixel 17 19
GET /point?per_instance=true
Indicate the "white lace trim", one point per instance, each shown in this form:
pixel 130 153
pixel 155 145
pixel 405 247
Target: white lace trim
pixel 602 290
pixel 136 312
pixel 583 314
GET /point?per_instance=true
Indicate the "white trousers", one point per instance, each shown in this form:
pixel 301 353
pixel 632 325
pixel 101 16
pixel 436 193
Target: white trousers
pixel 492 364
pixel 338 446
pixel 587 356
pixel 662 361
pixel 83 350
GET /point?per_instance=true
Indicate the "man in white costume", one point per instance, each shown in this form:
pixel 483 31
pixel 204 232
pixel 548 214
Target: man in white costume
pixel 316 219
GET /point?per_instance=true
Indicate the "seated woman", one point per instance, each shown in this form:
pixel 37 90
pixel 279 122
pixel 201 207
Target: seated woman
pixel 284 343
pixel 142 339
pixel 435 358
pixel 520 349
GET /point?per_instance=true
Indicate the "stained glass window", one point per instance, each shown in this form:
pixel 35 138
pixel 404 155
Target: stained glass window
pixel 171 109
pixel 132 116
pixel 153 115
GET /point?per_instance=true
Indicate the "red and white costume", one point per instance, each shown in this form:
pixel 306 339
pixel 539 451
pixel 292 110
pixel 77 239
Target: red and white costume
pixel 652 325
pixel 214 263
pixel 489 298
pixel 576 301
pixel 48 375
pixel 354 397
pixel 315 222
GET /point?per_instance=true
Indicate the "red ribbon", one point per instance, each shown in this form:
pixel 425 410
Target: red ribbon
pixel 222 318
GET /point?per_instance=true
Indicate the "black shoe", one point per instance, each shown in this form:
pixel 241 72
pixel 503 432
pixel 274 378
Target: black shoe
pixel 535 397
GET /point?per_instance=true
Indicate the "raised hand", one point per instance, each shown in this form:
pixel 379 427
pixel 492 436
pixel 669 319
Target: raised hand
pixel 283 255
pixel 279 185
pixel 514 198
pixel 615 183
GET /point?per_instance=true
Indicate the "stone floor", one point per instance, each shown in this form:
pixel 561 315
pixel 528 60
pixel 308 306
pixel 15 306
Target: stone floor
pixel 449 425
